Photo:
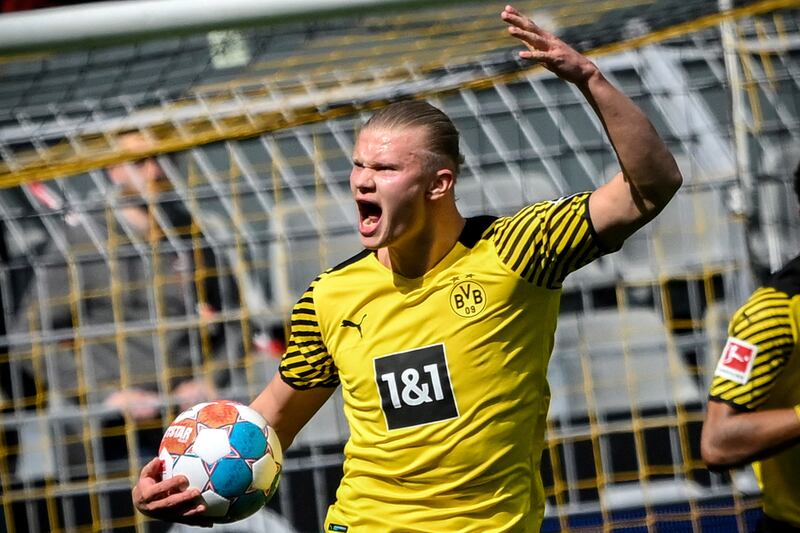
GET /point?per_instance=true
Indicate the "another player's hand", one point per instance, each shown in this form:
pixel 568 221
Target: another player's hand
pixel 170 500
pixel 553 53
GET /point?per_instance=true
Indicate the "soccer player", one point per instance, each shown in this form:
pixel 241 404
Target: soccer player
pixel 440 331
pixel 754 404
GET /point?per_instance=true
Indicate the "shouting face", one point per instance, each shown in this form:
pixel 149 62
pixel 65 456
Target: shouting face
pixel 390 183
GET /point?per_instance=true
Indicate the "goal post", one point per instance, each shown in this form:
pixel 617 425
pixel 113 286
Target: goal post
pixel 115 22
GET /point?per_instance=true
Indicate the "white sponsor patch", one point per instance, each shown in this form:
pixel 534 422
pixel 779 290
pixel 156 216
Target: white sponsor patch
pixel 736 361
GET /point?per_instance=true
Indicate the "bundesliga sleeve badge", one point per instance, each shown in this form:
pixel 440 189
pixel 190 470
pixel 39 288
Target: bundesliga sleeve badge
pixel 736 361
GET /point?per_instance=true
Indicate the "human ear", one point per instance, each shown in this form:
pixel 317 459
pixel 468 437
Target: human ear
pixel 441 184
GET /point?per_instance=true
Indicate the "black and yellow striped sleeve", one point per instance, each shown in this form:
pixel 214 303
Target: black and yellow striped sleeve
pixel 307 363
pixel 764 321
pixel 546 241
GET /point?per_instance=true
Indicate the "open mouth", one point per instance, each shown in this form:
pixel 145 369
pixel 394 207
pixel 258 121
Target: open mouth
pixel 369 215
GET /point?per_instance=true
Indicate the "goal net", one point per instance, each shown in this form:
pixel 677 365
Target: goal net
pixel 251 131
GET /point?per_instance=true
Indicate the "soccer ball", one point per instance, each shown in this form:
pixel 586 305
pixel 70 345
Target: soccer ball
pixel 228 452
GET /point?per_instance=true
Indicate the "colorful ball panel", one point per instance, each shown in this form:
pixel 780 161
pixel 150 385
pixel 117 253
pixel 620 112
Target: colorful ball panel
pixel 218 414
pixel 231 477
pixel 179 436
pixel 251 415
pixel 264 471
pixel 216 506
pixel 211 445
pixel 248 440
pixel 193 468
pixel 245 505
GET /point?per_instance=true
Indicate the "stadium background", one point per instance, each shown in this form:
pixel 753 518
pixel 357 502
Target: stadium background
pixel 254 128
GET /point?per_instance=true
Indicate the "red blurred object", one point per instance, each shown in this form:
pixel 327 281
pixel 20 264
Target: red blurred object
pixel 23 5
pixel 7 6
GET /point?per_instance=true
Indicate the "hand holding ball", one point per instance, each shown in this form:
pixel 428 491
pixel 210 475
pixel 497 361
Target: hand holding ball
pixel 229 453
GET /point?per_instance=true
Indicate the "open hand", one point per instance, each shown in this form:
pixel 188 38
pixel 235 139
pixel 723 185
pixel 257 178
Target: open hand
pixel 542 46
pixel 139 404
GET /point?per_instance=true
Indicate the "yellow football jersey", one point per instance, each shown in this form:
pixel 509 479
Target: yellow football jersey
pixel 760 369
pixel 444 376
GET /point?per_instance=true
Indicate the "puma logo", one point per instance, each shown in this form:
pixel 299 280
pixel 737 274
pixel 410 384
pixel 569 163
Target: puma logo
pixel 350 324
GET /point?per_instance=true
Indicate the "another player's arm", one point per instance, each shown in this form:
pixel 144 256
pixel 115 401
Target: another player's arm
pixel 735 431
pixel 288 409
pixel 649 176
pixel 733 438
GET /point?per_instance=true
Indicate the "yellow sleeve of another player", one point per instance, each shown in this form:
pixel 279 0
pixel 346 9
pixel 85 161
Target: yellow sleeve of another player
pixel 547 240
pixel 761 340
pixel 307 363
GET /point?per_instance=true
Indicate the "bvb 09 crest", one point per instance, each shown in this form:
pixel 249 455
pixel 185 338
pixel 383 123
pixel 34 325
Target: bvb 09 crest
pixel 467 298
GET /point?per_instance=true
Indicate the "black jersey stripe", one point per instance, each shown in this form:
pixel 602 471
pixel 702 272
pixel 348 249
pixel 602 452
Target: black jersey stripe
pixel 579 247
pixel 347 262
pixel 573 258
pixel 474 228
pixel 309 323
pixel 748 395
pixel 763 321
pixel 520 250
pixel 768 339
pixel 765 308
pixel 720 386
pixel 307 363
pixel 302 346
pixel 306 333
pixel 561 260
pixel 762 299
pixel 767 333
pixel 521 225
pixel 299 384
pixel 523 219
pixel 589 253
pixel 547 240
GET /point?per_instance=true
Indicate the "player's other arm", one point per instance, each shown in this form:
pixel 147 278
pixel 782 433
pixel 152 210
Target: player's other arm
pixel 736 429
pixel 287 409
pixel 649 175
pixel 732 437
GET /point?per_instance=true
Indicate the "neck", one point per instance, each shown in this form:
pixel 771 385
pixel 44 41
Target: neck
pixel 415 258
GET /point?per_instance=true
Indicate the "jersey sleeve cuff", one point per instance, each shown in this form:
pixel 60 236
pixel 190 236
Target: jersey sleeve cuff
pixel 331 383
pixel 735 406
pixel 598 242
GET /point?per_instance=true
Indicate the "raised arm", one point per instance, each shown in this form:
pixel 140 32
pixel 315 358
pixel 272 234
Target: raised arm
pixel 649 176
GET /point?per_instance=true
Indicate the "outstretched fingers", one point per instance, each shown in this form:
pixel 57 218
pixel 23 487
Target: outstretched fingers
pixel 547 49
pixel 517 19
pixel 525 30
